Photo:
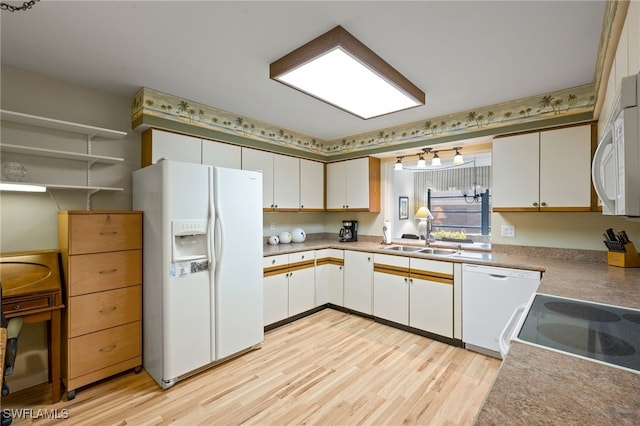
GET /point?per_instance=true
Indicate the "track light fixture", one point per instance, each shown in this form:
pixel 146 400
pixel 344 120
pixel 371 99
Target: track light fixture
pixel 458 159
pixel 398 165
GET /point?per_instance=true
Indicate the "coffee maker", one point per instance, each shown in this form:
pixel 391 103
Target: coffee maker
pixel 349 231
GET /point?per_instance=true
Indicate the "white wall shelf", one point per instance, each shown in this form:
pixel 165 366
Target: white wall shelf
pixel 89 158
pixel 65 126
pixel 54 153
pixel 73 187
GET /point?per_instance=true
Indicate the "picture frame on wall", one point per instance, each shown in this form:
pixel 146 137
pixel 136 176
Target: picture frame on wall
pixel 403 208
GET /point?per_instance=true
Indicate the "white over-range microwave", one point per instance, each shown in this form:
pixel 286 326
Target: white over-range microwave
pixel 616 163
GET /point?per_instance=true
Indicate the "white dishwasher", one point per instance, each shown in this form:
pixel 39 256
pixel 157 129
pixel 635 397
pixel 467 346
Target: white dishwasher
pixel 489 296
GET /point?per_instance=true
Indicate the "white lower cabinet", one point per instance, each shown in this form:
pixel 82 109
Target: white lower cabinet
pixel 329 277
pixel 276 288
pixel 414 292
pixel 301 282
pixel 358 281
pixel 391 288
pixel 431 296
pixel 289 285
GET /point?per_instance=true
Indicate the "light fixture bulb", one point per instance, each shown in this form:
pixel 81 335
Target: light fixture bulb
pixel 421 163
pixel 398 165
pixel 435 161
pixel 21 187
pixel 458 159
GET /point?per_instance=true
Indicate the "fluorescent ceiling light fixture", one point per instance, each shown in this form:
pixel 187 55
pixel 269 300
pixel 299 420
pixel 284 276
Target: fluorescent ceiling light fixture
pixel 339 70
pixel 22 187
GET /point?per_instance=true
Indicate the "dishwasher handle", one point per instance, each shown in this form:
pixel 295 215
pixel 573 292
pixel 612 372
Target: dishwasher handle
pixel 509 330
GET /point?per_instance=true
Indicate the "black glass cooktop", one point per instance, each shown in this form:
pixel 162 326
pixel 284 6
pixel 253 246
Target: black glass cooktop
pixel 610 334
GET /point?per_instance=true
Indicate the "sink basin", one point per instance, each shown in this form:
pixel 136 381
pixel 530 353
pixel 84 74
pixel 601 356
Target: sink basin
pixel 403 248
pixel 440 251
pixel 473 255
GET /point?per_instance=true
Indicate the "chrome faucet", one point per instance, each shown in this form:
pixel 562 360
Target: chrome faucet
pixel 429 238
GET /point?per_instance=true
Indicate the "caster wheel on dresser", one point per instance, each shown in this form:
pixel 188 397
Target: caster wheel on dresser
pixel 138 369
pixel 71 395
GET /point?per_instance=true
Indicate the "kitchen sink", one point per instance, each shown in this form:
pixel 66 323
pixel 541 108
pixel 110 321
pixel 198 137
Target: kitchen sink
pixel 404 248
pixel 472 255
pixel 439 251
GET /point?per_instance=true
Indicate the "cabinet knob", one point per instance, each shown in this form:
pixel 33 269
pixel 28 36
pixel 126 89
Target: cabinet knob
pixel 535 204
pixel 302 256
pixel 543 204
pixel 17 307
pixel 302 206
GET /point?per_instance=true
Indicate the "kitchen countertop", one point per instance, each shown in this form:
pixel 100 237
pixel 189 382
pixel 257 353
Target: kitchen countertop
pixel 539 386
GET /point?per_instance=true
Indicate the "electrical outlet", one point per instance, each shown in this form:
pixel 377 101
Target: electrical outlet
pixel 273 226
pixel 508 231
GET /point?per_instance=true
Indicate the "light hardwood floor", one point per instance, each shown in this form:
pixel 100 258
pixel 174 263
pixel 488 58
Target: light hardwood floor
pixel 329 368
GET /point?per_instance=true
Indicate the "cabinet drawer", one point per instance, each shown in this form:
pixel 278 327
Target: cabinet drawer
pixel 22 305
pixel 96 233
pixel 275 261
pixel 99 311
pixel 89 273
pixel 303 256
pixel 96 351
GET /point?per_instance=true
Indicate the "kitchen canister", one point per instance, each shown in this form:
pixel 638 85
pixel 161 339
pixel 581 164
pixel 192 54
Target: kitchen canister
pixel 285 237
pixel 274 240
pixel 298 235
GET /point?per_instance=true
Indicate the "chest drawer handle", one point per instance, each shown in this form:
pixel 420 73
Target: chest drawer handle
pixel 106 311
pixel 108 348
pixel 107 271
pixel 17 307
pixel 109 233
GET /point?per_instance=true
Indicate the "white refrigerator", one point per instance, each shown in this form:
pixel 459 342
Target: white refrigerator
pixel 202 265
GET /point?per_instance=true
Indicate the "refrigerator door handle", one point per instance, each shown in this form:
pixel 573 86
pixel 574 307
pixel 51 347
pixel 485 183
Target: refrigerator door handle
pixel 211 230
pixel 217 243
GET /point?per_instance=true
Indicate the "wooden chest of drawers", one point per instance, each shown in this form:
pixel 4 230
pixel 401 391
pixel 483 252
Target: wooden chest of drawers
pixel 102 264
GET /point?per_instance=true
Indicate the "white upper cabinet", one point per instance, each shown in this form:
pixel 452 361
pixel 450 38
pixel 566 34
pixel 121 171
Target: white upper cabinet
pixel 221 154
pixel 311 185
pixel 280 178
pixel 354 185
pixel 158 144
pixel 543 171
pixel 286 182
pixel 262 161
pixel 565 168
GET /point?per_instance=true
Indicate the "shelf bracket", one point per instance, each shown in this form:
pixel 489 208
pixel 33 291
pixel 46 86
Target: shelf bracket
pixel 90 193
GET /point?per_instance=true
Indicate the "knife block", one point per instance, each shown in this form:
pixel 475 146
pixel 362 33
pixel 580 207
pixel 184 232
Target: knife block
pixel 628 259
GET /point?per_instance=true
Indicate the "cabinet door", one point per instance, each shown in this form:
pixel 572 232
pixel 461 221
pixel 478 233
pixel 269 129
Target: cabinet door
pixel 431 300
pixel 329 277
pixel 311 185
pixel 515 181
pixel 276 298
pixel 337 185
pixel 221 154
pixel 357 183
pixel 431 306
pixel 286 182
pixel 157 144
pixel 336 284
pixel 358 280
pixel 565 169
pixel 262 161
pixel 391 288
pixel 301 290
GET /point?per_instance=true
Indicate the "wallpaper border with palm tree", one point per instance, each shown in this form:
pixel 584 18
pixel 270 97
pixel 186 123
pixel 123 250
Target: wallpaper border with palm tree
pixel 562 103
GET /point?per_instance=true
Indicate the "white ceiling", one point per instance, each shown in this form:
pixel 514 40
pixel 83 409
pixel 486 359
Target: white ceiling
pixel 463 54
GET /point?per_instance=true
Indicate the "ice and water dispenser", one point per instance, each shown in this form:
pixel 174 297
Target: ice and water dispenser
pixel 190 240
